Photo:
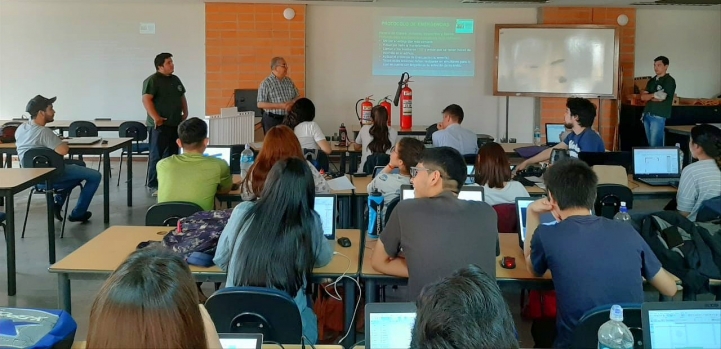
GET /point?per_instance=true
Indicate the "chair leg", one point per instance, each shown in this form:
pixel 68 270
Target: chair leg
pixel 65 216
pixel 120 171
pixel 27 212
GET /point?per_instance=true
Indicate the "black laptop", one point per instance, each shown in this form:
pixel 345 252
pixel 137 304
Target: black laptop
pixel 656 166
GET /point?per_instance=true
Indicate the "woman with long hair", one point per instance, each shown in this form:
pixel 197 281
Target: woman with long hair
pixel 150 301
pixel 276 241
pixel 493 172
pixel 376 138
pixel 701 180
pixel 300 120
pixel 279 143
pixel 404 155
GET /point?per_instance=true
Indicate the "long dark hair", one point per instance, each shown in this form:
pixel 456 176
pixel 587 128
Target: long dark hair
pixel 379 131
pixel 302 110
pixel 278 243
pixel 708 137
pixel 492 166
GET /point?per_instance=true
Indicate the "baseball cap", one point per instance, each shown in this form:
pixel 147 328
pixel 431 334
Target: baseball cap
pixel 39 103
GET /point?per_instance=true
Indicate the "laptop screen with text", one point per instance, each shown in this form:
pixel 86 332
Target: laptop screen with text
pixel 325 206
pixel 685 328
pixel 656 161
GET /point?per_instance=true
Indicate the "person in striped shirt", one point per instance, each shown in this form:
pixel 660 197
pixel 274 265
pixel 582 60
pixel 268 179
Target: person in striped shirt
pixel 701 180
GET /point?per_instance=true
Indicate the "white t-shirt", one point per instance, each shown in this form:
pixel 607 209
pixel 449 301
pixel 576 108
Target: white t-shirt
pixel 364 138
pixel 505 195
pixel 309 134
pixel 388 184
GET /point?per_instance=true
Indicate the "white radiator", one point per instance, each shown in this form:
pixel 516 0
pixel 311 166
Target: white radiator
pixel 231 128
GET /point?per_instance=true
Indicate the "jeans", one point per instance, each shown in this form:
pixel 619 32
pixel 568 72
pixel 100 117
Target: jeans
pixel 654 126
pixel 75 173
pixel 163 144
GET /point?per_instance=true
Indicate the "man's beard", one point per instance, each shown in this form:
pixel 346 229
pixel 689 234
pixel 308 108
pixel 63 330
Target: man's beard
pixel 568 126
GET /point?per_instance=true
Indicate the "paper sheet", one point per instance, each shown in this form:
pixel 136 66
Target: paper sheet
pixel 534 179
pixel 341 183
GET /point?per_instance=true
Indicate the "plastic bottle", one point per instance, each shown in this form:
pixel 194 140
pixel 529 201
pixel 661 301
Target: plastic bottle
pixel 246 160
pixel 622 214
pixel 343 136
pixel 614 334
pixel 680 157
pixel 537 136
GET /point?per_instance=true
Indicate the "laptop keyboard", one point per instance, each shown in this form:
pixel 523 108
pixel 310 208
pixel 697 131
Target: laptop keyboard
pixel 659 181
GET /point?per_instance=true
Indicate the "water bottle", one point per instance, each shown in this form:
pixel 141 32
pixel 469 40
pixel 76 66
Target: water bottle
pixel 614 334
pixel 246 160
pixel 680 157
pixel 343 136
pixel 375 213
pixel 622 214
pixel 537 136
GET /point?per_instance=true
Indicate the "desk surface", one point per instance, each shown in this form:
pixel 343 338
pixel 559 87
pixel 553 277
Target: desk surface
pixel 105 252
pixel 683 129
pixel 637 188
pixel 361 184
pixel 112 143
pixel 510 148
pixel 15 177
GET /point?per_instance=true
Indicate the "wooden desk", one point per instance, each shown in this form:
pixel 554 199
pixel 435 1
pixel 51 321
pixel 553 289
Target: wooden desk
pixel 361 185
pixel 510 148
pixel 639 190
pixel 415 130
pixel 683 130
pixel 64 125
pixel 81 345
pixel 13 181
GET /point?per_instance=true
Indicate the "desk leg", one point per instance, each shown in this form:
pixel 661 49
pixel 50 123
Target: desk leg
pixel 359 213
pixel 10 242
pixel 371 286
pixel 342 162
pixel 106 187
pixel 50 203
pixel 353 162
pixel 350 302
pixel 64 292
pixel 129 173
pixel 345 204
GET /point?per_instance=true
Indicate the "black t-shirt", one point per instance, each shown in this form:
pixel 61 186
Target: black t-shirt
pixel 167 92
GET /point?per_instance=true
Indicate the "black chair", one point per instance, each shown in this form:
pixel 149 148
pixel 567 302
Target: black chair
pixel 83 129
pixel 2 221
pixel 586 333
pixel 375 159
pixel 46 158
pixel 318 158
pixel 256 310
pixel 168 213
pixel 391 206
pixel 482 139
pixel 139 133
pixel 609 197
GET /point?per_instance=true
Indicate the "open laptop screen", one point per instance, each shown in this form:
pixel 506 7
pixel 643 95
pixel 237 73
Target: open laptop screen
pixel 656 161
pixel 685 328
pixel 468 192
pixel 241 340
pixel 216 152
pixel 325 207
pixel 522 207
pixel 470 179
pixel 391 330
pixel 553 133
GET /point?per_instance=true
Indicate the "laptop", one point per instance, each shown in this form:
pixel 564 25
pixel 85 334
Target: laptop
pixel 521 208
pixel 389 325
pixel 325 205
pixel 468 192
pixel 377 170
pixel 681 325
pixel 471 172
pixel 241 340
pixel 222 152
pixel 553 134
pixel 83 140
pixel 656 166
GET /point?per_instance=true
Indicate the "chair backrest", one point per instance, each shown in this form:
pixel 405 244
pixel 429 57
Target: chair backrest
pixel 609 197
pixel 318 158
pixel 168 213
pixel 389 209
pixel 256 310
pixel 82 129
pixel 710 210
pixel 470 159
pixel 507 218
pixel 375 159
pixel 611 174
pixel 586 333
pixel 44 158
pixel 482 139
pixel 134 129
pixel 558 155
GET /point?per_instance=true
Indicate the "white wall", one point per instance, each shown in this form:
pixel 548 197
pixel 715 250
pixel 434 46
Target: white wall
pixel 690 39
pixel 339 63
pixel 92 57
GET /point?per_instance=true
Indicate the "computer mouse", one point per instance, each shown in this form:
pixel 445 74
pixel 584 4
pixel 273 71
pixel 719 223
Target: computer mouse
pixel 508 263
pixel 345 242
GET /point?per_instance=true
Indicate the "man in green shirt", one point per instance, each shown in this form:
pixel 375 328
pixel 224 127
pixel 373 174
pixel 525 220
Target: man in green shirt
pixel 659 100
pixel 191 176
pixel 164 100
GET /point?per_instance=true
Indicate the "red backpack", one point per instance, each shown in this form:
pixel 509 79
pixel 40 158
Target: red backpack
pixel 7 132
pixel 540 305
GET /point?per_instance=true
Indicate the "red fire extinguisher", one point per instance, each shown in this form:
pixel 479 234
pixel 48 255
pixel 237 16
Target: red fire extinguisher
pixel 365 116
pixel 386 103
pixel 406 106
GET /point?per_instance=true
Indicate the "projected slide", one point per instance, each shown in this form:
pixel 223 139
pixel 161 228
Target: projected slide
pixel 424 46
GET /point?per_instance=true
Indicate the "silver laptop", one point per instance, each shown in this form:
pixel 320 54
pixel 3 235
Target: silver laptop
pixel 389 325
pixel 553 134
pixel 656 165
pixel 222 152
pixel 83 140
pixel 468 192
pixel 521 209
pixel 325 205
pixel 241 340
pixel 681 325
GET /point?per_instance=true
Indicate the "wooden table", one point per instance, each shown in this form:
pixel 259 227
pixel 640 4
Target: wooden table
pixel 415 130
pixel 64 125
pixel 640 190
pixel 510 148
pixel 104 150
pixel 13 181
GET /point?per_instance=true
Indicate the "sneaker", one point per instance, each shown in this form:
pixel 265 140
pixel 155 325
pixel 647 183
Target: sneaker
pixel 154 194
pixel 84 218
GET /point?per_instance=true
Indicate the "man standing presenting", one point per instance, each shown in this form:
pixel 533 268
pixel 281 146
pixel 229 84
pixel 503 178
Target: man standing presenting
pixel 276 94
pixel 164 100
pixel 659 100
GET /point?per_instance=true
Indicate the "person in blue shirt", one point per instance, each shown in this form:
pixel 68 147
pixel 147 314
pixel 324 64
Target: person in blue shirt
pixel 579 117
pixel 451 134
pixel 594 260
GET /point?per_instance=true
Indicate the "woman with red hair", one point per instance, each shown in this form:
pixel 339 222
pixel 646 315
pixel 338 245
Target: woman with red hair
pixel 493 172
pixel 279 143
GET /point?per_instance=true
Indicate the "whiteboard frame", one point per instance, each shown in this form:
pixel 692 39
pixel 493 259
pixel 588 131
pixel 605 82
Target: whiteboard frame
pixel 616 60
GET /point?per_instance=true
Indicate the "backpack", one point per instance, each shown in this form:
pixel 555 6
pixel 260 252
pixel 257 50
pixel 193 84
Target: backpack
pixel 7 132
pixel 540 305
pixel 36 328
pixel 198 232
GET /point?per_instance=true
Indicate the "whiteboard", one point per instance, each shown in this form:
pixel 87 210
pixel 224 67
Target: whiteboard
pixel 556 61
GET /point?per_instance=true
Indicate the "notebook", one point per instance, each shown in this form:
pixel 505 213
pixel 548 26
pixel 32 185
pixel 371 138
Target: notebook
pixel 389 325
pixel 656 165
pixel 468 192
pixel 217 151
pixel 553 134
pixel 521 208
pixel 82 140
pixel 241 340
pixel 325 206
pixel 681 325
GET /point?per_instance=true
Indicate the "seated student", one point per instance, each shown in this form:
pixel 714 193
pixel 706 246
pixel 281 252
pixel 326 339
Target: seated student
pixel 493 172
pixel 438 232
pixel 376 138
pixel 451 134
pixel 607 258
pixel 404 156
pixel 150 301
pixel 461 311
pixel 191 176
pixel 277 240
pixel 700 180
pixel 34 134
pixel 279 143
pixel 580 113
pixel 300 120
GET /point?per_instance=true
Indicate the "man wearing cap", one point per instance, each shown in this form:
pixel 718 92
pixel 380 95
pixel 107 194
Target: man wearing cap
pixel 34 134
pixel 276 94
pixel 164 100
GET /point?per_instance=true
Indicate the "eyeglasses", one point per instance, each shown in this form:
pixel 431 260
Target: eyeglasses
pixel 393 149
pixel 415 170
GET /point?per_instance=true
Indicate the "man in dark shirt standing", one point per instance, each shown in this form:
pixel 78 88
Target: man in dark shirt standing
pixel 659 102
pixel 438 232
pixel 164 100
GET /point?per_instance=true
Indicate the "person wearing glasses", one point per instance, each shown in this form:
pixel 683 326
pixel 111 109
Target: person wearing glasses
pixel 437 232
pixel 276 94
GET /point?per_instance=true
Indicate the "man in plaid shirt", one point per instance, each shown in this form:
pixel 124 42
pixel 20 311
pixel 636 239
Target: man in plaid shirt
pixel 276 94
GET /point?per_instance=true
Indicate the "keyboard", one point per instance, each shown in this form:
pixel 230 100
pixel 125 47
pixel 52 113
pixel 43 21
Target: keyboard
pixel 658 181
